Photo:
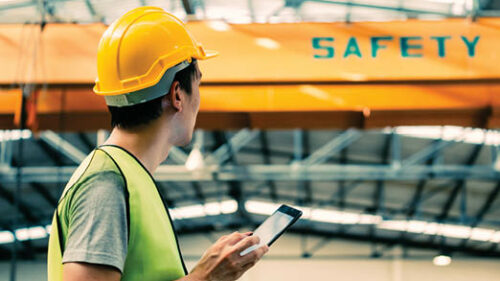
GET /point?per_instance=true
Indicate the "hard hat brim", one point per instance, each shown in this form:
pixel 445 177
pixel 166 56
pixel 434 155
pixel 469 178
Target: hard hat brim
pixel 210 54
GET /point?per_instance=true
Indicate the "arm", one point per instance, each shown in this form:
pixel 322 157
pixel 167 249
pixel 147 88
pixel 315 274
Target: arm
pixel 78 271
pixel 221 262
pixel 96 246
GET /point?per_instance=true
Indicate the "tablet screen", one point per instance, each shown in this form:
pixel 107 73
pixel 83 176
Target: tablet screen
pixel 272 226
pixel 269 229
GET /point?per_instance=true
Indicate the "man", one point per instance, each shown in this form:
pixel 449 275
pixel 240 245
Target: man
pixel 111 223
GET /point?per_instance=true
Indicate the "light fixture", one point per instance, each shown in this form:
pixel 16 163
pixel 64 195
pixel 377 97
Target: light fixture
pixel 203 210
pixel 455 231
pixel 14 135
pixel 224 207
pixel 495 238
pixel 228 206
pixel 30 233
pixel 450 133
pixel 195 160
pixel 260 208
pixel 482 234
pixel 446 230
pixel 353 218
pixel 26 233
pixel 332 216
pixel 416 226
pixel 6 237
pixel 316 214
pixel 397 225
pixel 441 260
pixel 313 214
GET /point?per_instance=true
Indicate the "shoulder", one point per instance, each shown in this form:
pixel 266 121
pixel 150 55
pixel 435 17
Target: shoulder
pixel 102 177
pixel 98 166
pixel 105 188
pixel 101 186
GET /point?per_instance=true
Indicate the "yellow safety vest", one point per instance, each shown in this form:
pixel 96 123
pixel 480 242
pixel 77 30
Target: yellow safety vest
pixel 153 250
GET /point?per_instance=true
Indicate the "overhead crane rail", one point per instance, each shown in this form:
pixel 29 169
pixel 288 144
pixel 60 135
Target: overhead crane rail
pixel 291 76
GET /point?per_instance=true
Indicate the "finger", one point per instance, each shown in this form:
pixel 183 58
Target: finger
pixel 261 251
pixel 252 258
pixel 235 237
pixel 222 238
pixel 246 246
pixel 247 242
pixel 255 255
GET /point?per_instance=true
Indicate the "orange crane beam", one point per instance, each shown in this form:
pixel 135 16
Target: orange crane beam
pixel 301 75
pixel 362 105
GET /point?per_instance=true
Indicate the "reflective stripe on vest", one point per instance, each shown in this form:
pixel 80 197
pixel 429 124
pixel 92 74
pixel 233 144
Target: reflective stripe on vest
pixel 153 251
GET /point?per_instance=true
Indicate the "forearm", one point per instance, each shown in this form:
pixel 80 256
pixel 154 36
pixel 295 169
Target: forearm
pixel 191 277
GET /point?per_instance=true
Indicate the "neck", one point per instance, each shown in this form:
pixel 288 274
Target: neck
pixel 148 144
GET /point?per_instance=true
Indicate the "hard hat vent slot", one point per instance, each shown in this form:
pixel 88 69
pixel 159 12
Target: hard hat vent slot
pixel 156 70
pixel 130 83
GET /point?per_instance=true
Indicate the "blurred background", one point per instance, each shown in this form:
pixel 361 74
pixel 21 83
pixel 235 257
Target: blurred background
pixel 377 118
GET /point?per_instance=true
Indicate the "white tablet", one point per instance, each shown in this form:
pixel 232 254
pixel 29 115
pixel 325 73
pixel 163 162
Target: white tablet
pixel 274 226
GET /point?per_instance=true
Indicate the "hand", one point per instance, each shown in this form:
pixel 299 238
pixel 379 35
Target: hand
pixel 222 261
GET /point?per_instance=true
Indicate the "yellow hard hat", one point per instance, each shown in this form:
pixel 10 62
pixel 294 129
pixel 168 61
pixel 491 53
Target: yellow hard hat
pixel 139 54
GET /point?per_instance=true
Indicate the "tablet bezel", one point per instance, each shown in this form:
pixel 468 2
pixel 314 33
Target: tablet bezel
pixel 294 213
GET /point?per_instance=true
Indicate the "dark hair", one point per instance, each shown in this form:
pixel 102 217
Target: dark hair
pixel 128 117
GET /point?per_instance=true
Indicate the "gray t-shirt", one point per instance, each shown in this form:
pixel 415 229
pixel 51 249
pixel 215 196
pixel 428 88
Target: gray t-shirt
pixel 97 222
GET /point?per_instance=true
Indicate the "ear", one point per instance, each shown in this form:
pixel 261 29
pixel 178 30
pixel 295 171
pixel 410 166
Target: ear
pixel 175 97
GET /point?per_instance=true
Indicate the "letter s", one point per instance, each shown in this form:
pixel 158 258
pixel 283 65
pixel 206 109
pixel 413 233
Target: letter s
pixel 330 51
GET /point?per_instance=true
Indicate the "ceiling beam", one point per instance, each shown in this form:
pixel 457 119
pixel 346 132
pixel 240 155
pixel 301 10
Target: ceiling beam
pixel 50 153
pixel 45 193
pixel 490 199
pixel 227 148
pixel 86 141
pixel 63 146
pixel 416 199
pixel 266 154
pixel 327 172
pixel 188 7
pixel 24 208
pixel 415 202
pixel 341 193
pixel 334 146
pixel 401 9
pixel 460 184
pixel 428 152
pixel 493 195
